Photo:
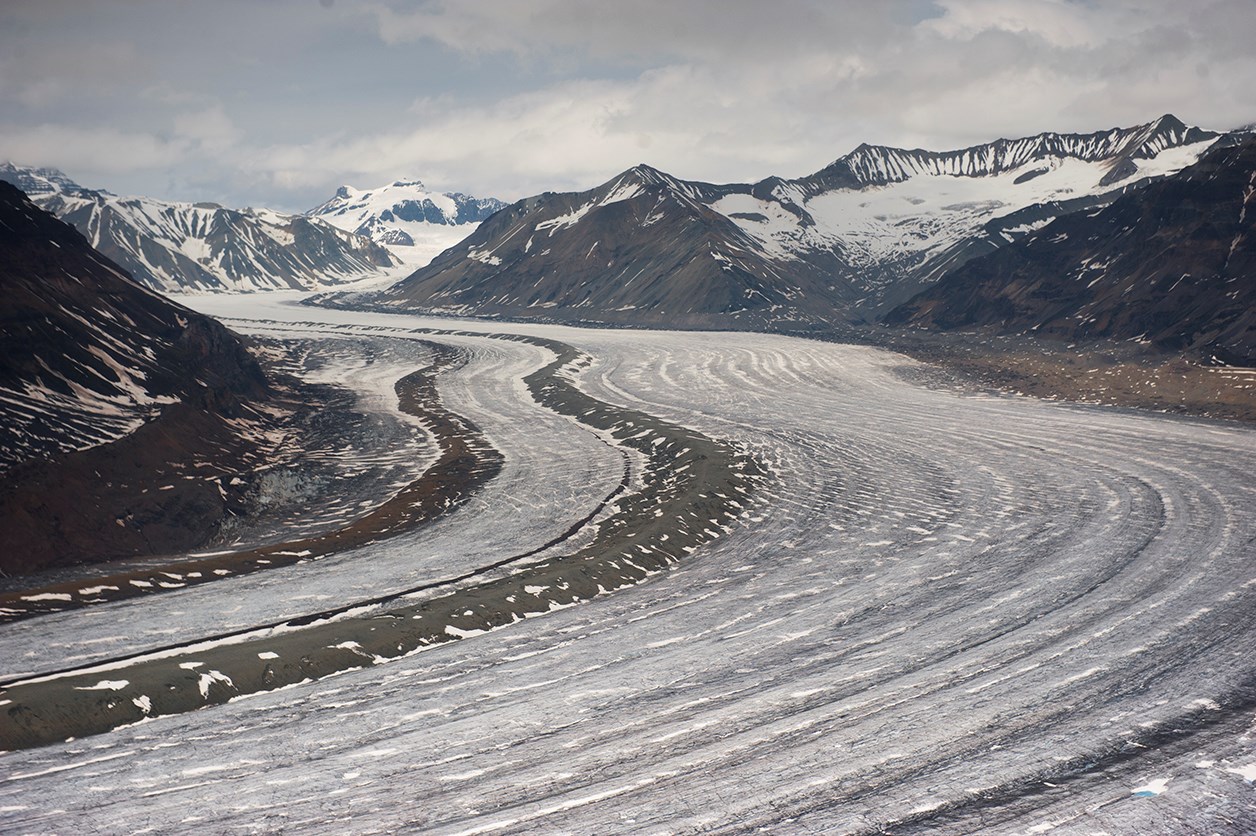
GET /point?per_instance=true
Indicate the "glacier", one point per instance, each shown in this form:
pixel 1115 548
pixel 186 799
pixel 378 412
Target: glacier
pixel 945 611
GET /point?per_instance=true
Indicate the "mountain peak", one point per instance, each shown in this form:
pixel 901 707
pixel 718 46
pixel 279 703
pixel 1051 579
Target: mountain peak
pixel 648 175
pixel 404 213
pixel 36 181
pixel 848 242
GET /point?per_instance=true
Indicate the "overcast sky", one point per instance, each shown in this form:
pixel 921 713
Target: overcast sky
pixel 276 102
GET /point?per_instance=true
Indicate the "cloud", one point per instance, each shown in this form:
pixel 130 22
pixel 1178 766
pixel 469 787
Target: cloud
pixel 40 76
pixel 209 128
pixel 90 148
pixel 278 103
pixel 1058 22
pixel 641 30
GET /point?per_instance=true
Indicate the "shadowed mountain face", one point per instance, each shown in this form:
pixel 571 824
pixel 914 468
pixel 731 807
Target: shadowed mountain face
pixel 1173 263
pixel 119 410
pixel 842 246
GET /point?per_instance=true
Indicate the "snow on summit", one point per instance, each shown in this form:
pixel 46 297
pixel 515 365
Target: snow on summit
pixel 204 247
pixel 415 223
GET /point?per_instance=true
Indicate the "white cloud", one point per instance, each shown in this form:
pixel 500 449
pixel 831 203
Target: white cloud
pixel 209 128
pixel 92 149
pixel 513 97
pixel 1058 22
pixel 42 77
pixel 647 33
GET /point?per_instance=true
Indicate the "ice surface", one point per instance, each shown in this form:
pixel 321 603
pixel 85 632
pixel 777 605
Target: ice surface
pixel 1083 582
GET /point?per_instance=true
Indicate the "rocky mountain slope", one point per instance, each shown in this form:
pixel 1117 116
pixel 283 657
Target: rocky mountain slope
pixel 123 417
pixel 843 245
pixel 184 247
pixel 1173 264
pixel 413 222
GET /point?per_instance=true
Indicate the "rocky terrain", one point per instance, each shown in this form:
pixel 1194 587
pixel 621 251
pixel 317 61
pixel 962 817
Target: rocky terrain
pixel 128 421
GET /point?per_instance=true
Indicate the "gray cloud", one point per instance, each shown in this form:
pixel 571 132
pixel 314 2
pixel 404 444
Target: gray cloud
pixel 277 103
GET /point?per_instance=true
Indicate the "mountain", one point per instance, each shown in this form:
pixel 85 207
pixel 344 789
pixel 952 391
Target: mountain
pixel 637 249
pixel 1123 151
pixel 404 216
pixel 173 246
pixel 122 415
pixel 36 182
pixel 1173 264
pixel 843 245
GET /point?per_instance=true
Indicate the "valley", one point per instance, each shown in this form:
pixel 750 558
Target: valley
pixel 913 495
pixel 937 611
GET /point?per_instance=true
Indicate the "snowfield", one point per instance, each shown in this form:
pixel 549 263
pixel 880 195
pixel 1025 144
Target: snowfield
pixel 943 612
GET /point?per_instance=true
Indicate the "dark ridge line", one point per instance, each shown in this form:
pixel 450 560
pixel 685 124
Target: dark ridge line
pixel 329 614
pixel 691 483
pixel 466 463
pixel 333 612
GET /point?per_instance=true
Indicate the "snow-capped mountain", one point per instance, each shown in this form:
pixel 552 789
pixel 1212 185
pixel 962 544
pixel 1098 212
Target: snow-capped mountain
pixel 89 355
pixel 1122 151
pixel 1171 264
pixel 174 246
pixel 844 244
pixel 644 247
pixel 37 181
pixel 415 223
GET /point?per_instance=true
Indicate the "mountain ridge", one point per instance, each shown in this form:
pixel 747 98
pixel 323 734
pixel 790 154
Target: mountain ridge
pixel 204 247
pixel 1171 264
pixel 125 417
pixel 877 165
pixel 845 244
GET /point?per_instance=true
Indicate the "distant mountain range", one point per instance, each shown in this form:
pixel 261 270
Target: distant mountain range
pixel 1172 264
pixel 123 417
pixel 172 246
pixel 842 246
pixel 993 237
pixel 406 217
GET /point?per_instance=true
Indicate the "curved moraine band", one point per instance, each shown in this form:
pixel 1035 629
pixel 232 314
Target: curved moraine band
pixel 693 487
pixel 466 463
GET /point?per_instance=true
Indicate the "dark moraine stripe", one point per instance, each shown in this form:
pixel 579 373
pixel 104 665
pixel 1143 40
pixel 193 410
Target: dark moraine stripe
pixel 693 488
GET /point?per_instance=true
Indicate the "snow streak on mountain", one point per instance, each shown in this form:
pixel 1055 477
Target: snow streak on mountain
pixel 1120 148
pixel 173 246
pixel 413 222
pixel 1171 264
pixel 844 244
pixel 89 355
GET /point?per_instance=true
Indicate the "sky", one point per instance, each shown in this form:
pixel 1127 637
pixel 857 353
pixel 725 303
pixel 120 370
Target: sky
pixel 277 102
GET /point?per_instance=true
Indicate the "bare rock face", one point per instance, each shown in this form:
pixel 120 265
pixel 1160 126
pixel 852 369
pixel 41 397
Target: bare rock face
pixel 122 414
pixel 642 249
